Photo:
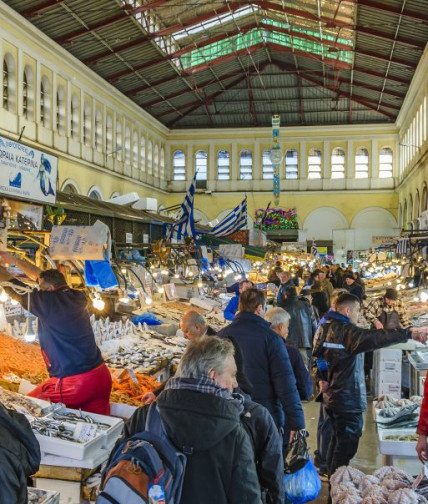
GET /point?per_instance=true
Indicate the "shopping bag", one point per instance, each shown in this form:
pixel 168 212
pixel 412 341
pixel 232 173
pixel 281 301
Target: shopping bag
pixel 99 274
pixel 297 454
pixel 303 485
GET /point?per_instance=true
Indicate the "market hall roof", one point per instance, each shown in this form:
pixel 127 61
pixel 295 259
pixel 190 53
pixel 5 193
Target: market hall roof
pixel 220 63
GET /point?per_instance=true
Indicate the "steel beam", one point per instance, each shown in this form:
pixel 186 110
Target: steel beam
pixel 366 71
pixel 42 7
pixel 385 7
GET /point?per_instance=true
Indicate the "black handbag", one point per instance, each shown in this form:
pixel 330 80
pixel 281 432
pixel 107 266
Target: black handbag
pixel 297 455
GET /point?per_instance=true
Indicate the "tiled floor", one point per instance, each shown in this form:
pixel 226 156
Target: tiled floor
pixel 368 458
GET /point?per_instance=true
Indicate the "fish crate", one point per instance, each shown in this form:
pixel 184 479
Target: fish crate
pixel 39 496
pixel 399 448
pixel 109 435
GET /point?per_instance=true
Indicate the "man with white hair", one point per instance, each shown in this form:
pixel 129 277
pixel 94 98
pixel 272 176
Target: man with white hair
pixel 280 321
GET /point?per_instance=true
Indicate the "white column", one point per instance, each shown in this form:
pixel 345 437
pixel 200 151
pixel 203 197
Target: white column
pixel 67 99
pixel 37 82
pixel 303 161
pixel 81 115
pixel 54 104
pixel 211 163
pixel 234 162
pixel 375 159
pixel 350 160
pixel 257 172
pixel 190 162
pixel 19 82
pixel 326 160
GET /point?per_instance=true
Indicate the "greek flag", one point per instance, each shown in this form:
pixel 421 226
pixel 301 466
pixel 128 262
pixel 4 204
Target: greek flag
pixel 185 226
pixel 314 250
pixel 402 246
pixel 233 221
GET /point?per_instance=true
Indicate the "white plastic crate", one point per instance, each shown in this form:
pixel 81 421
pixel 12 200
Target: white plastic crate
pixel 90 462
pixel 399 448
pixel 110 435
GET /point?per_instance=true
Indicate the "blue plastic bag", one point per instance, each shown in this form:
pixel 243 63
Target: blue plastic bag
pixel 147 317
pixel 99 274
pixel 303 485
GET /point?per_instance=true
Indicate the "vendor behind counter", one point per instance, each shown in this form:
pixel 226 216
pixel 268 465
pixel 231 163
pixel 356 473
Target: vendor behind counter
pixel 79 377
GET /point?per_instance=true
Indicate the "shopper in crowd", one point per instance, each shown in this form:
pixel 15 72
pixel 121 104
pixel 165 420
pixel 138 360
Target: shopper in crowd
pixel 201 417
pixel 19 456
pixel 336 276
pixel 272 275
pixel 339 348
pixel 325 283
pixel 267 364
pixel 324 422
pixel 230 310
pixel 286 281
pixel 280 322
pixel 359 280
pixel 306 296
pixel 319 298
pixel 193 326
pixel 302 324
pixel 79 377
pixel 353 287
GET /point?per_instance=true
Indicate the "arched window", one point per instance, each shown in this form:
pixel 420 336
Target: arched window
pixel 223 165
pixel 162 163
pixel 9 83
pixel 74 117
pixel 45 102
pixel 60 110
pixel 338 164
pixel 156 161
pixel 109 135
pixel 119 140
pixel 385 163
pixel 424 203
pixel 267 167
pixel 135 149
pixel 128 145
pixel 178 165
pixel 314 164
pixel 150 157
pixel 246 165
pixel 410 209
pixel 291 164
pixel 143 154
pixel 98 139
pixel 69 189
pixel 87 124
pixel 201 167
pixel 361 163
pixel 95 195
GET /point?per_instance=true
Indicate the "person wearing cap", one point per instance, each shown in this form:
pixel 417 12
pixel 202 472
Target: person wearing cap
pixel 387 312
pixel 232 307
pixel 79 377
pixel 353 287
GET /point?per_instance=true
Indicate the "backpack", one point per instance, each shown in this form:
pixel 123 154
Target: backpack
pixel 146 468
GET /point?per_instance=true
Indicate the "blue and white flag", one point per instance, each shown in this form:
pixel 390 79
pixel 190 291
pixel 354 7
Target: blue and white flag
pixel 314 250
pixel 233 221
pixel 185 226
pixel 402 247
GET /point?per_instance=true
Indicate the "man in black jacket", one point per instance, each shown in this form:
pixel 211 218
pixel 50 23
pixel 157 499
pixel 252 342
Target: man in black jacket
pixel 338 360
pixel 228 434
pixel 302 324
pixel 266 362
pixel 19 456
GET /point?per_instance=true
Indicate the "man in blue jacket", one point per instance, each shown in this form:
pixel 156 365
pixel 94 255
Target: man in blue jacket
pixel 232 307
pixel 266 362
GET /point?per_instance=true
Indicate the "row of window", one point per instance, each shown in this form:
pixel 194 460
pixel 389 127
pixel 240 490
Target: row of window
pixel 415 136
pixel 412 208
pixel 119 141
pixel 291 164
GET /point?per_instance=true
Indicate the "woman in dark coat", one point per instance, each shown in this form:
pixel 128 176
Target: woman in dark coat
pixel 319 298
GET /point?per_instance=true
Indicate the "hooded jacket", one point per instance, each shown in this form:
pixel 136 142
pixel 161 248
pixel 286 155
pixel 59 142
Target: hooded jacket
pixel 342 345
pixel 221 467
pixel 302 322
pixel 267 366
pixel 19 456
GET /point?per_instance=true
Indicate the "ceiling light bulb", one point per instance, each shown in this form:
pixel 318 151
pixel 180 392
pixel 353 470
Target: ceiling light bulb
pixel 389 283
pixel 123 270
pixel 416 299
pixel 124 300
pixel 176 275
pixel 3 297
pixel 14 302
pixel 200 284
pixel 160 289
pixel 424 297
pixel 164 272
pixel 190 273
pixel 148 300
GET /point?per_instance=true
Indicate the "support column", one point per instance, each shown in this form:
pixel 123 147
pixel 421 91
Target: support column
pixel 326 160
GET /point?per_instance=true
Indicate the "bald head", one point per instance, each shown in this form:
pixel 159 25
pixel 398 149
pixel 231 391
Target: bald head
pixel 193 325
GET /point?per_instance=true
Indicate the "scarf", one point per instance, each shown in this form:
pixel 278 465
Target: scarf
pixel 205 385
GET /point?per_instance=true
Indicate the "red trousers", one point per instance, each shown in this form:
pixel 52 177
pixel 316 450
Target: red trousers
pixel 88 391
